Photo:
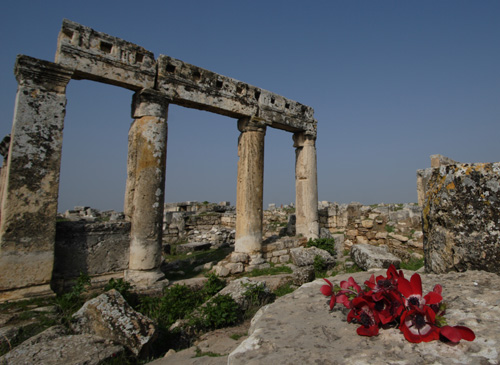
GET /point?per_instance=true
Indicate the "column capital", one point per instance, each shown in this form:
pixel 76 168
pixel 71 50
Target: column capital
pixel 46 75
pixel 149 102
pixel 301 139
pixel 252 124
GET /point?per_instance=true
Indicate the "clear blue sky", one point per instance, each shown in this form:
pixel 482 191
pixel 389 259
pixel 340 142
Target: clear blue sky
pixel 391 83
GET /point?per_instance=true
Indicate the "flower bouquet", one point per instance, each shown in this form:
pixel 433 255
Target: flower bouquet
pixel 393 300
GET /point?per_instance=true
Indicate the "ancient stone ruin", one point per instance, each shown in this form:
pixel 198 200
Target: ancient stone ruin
pixel 30 175
pixel 461 222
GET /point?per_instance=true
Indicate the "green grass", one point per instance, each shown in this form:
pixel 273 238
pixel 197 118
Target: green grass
pixel 200 353
pixel 237 336
pixel 327 244
pixel 284 290
pixel 389 229
pixel 413 264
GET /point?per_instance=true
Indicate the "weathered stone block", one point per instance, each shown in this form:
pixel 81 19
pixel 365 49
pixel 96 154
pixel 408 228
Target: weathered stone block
pixel 305 256
pixel 92 248
pixel 370 257
pixel 109 316
pixel 461 222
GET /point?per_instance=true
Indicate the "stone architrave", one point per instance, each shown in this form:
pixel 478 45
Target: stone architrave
pixel 31 185
pixel 145 188
pixel 306 186
pixel 250 186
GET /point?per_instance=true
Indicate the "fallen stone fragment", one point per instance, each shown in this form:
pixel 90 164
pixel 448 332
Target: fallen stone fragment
pixel 305 256
pixel 109 316
pixel 370 257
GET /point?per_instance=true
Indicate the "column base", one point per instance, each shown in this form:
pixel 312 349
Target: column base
pixel 154 279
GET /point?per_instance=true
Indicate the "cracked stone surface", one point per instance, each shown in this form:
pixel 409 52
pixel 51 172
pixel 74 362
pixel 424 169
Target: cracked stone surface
pixel 299 328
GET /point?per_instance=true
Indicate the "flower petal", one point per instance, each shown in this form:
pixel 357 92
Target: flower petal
pixel 467 333
pixel 405 287
pixel 332 302
pixel 367 331
pixel 438 289
pixel 416 284
pixel 433 298
pixel 326 290
pixel 457 333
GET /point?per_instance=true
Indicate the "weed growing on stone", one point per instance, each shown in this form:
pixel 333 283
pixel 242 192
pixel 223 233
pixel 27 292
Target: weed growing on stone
pixel 237 336
pixel 389 229
pixel 256 296
pixel 200 353
pixel 213 285
pixel 123 287
pixel 319 267
pixel 221 311
pixel 284 290
pixel 327 244
pixel 71 301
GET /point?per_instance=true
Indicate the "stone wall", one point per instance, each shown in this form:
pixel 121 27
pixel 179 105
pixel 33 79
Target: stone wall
pixel 461 220
pixel 398 226
pixel 98 249
pixel 198 222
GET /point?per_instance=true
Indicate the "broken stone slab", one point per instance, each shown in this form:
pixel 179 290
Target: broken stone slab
pixel 305 256
pixel 370 257
pixel 55 346
pixel 303 274
pixel 300 329
pixel 192 247
pixel 109 316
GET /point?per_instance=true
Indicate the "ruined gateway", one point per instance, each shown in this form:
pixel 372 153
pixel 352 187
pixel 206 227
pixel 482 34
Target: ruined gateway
pixel 29 180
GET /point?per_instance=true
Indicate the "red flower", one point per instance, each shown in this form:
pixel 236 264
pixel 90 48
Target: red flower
pixel 456 333
pixel 363 312
pixel 418 325
pixel 389 307
pixel 412 292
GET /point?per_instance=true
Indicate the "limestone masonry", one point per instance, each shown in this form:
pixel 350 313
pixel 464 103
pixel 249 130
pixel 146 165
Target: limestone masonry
pixel 30 176
pixel 461 222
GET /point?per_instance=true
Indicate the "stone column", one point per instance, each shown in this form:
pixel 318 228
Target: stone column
pixel 306 185
pixel 31 183
pixel 250 186
pixel 144 196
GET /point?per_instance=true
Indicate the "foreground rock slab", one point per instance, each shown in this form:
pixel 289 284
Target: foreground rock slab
pixel 54 346
pixel 299 328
